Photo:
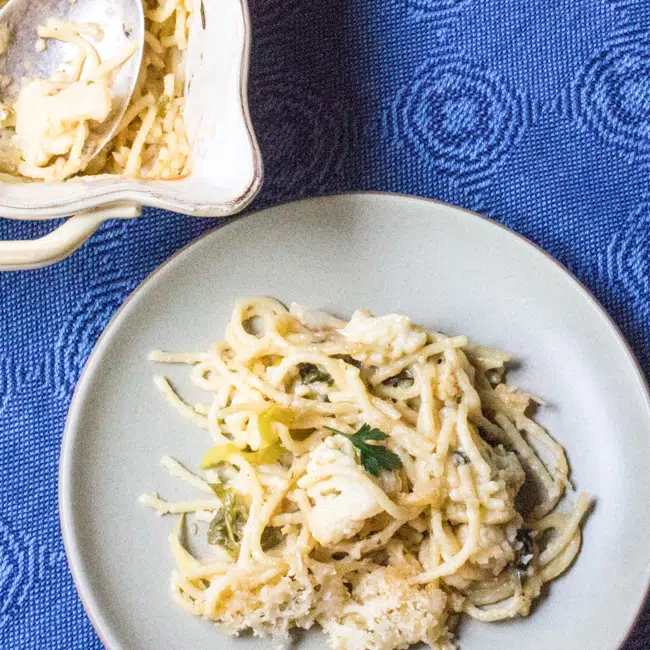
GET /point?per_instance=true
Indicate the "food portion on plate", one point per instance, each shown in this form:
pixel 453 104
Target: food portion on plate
pixel 372 476
pixel 49 124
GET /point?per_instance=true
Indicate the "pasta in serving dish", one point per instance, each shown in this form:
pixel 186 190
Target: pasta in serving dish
pixel 367 476
pixel 50 124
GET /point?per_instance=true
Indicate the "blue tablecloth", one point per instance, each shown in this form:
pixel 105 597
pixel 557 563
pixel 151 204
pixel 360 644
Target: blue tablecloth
pixel 533 112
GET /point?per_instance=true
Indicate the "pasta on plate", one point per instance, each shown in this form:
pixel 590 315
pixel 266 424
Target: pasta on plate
pixel 366 476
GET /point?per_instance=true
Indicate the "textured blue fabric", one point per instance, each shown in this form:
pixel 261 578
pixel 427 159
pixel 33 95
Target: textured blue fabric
pixel 533 112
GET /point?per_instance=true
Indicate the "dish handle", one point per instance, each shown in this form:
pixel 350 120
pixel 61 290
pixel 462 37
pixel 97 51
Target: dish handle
pixel 64 240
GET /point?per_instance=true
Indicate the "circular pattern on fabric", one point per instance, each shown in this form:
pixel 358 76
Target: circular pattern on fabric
pixel 613 97
pixel 15 579
pixel 461 117
pixel 7 382
pixel 627 257
pixel 433 6
pixel 303 138
pixel 107 242
pixel 535 47
pixel 82 328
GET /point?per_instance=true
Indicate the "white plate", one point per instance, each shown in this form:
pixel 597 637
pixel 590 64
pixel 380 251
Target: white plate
pixel 442 266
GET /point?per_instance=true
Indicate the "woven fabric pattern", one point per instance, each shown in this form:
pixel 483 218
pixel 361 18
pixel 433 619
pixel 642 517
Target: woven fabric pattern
pixel 534 113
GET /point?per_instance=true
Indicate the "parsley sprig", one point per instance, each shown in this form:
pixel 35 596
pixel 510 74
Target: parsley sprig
pixel 373 458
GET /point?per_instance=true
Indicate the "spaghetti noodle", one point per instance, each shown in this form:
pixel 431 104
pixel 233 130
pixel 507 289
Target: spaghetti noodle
pixel 366 476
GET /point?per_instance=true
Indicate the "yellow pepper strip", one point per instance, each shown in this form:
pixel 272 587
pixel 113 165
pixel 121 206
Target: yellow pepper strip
pixel 271 449
pixel 219 454
pixel 265 456
pixel 265 421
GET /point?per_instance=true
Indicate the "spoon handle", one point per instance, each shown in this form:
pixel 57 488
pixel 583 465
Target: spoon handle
pixel 57 245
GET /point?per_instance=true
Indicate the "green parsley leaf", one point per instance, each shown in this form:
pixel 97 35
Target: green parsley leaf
pixel 373 458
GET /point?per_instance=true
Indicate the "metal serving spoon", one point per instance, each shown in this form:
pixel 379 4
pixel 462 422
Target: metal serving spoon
pixel 122 23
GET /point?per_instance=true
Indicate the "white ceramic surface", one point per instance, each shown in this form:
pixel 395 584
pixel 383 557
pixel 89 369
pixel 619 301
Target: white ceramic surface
pixel 227 168
pixel 444 267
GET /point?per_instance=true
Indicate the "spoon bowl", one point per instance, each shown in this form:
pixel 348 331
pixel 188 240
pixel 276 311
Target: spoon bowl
pixel 122 24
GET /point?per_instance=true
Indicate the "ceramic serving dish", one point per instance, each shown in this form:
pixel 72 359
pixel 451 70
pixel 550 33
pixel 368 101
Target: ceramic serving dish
pixel 227 169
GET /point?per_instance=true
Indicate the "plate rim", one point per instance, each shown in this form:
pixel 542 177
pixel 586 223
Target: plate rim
pixel 67 437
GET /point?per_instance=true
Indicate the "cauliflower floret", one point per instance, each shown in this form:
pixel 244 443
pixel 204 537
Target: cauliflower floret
pixel 317 321
pixel 341 504
pixel 391 336
pixel 386 612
